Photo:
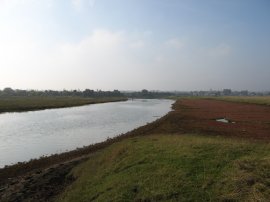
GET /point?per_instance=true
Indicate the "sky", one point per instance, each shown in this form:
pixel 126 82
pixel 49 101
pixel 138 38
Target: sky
pixel 166 45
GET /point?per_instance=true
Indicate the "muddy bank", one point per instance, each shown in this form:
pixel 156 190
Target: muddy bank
pixel 40 185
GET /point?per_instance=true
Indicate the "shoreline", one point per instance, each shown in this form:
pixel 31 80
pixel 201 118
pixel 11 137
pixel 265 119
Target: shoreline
pixel 44 103
pixel 51 175
pixel 20 168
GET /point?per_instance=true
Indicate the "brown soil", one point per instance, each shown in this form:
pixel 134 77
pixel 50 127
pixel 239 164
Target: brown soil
pixel 39 185
pixel 42 180
pixel 199 116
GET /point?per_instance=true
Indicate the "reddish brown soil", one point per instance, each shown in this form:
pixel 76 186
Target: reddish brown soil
pixel 199 116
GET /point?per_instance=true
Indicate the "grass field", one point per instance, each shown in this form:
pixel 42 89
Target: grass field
pixel 263 100
pixel 174 168
pixel 17 104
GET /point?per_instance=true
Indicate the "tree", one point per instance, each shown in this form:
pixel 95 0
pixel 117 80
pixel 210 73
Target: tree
pixel 8 91
pixel 88 93
pixel 144 92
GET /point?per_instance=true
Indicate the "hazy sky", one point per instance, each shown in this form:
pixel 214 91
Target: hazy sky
pixel 135 44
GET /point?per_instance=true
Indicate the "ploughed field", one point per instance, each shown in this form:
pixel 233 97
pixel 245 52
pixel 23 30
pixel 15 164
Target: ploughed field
pixel 199 116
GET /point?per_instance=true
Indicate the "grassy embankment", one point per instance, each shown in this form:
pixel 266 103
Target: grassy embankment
pixel 174 168
pixel 166 167
pixel 261 100
pixel 18 104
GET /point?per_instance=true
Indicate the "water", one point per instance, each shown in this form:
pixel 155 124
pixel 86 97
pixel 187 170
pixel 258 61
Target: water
pixel 28 135
pixel 223 120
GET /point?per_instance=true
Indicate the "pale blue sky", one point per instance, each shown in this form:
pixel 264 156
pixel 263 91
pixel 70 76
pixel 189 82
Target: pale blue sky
pixel 135 44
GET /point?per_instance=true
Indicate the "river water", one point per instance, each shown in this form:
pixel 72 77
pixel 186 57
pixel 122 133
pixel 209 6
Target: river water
pixel 28 135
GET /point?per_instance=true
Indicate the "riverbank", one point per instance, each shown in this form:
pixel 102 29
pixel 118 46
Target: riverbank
pixel 163 167
pixel 32 103
pixel 241 148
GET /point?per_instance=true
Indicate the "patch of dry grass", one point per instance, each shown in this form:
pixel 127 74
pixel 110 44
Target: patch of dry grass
pixel 262 100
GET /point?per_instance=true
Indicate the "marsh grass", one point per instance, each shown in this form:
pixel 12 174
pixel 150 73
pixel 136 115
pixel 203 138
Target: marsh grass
pixel 174 168
pixel 18 104
pixel 262 100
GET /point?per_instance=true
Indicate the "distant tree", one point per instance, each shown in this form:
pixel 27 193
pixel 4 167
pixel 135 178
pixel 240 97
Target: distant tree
pixel 8 91
pixel 144 92
pixel 88 93
pixel 117 93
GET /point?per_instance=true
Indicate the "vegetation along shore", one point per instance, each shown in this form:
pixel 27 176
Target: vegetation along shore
pixel 20 104
pixel 187 155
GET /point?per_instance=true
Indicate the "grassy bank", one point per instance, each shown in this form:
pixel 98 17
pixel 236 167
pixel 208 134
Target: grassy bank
pixel 174 168
pixel 18 104
pixel 262 100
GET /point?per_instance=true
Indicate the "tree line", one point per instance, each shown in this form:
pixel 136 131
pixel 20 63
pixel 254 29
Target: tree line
pixel 145 94
pixel 85 93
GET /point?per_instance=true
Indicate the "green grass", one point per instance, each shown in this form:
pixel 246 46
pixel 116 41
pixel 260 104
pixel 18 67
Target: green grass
pixel 17 104
pixel 174 168
pixel 262 100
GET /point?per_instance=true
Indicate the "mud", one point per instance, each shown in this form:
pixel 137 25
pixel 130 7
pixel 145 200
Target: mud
pixel 38 185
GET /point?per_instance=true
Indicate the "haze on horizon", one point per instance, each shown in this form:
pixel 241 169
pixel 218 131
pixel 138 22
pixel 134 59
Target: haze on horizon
pixel 131 45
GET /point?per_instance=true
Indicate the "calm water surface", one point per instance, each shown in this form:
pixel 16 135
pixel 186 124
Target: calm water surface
pixel 32 134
